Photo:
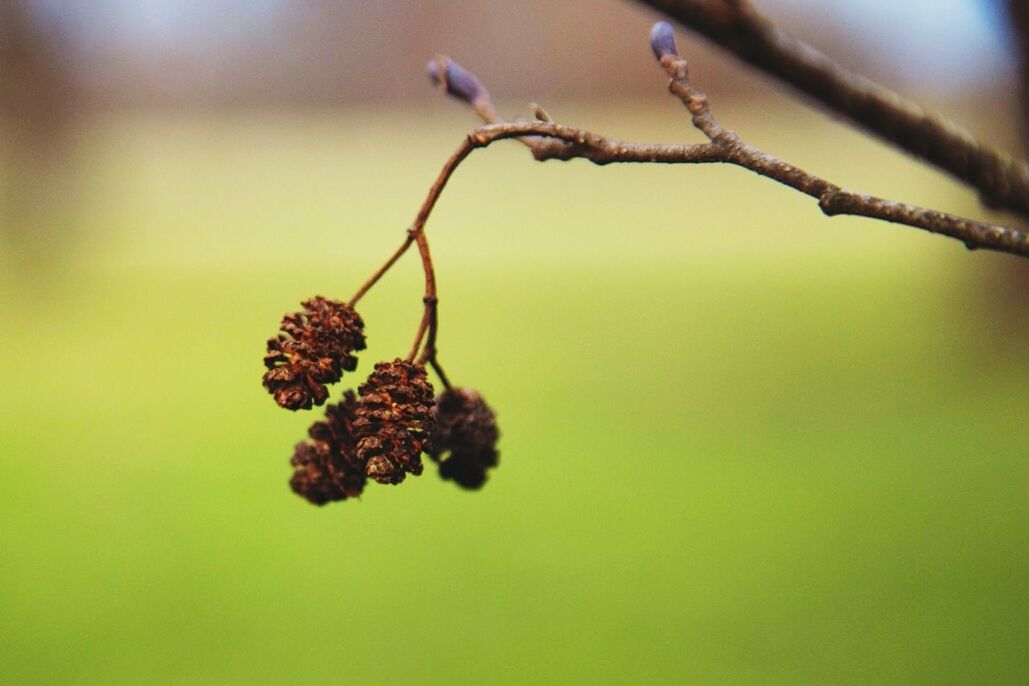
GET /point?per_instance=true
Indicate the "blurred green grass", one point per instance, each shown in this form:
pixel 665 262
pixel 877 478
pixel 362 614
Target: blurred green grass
pixel 741 443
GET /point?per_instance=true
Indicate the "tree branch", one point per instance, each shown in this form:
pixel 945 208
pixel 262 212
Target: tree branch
pixel 549 140
pixel 1001 180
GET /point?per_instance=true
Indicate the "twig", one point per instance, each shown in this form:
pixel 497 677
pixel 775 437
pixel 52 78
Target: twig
pixel 430 301
pixel 1001 180
pixel 439 371
pixel 374 278
pixel 549 140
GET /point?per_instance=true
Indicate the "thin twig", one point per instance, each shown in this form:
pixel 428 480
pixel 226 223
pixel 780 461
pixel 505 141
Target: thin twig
pixel 549 140
pixel 417 230
pixel 420 336
pixel 428 323
pixel 1001 180
pixel 434 362
pixel 416 235
pixel 831 198
pixel 374 278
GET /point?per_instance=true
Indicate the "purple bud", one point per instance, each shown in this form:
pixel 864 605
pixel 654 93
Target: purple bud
pixel 460 82
pixel 662 40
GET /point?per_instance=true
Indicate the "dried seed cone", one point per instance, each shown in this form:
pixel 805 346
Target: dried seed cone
pixel 327 467
pixel 314 349
pixel 394 421
pixel 466 433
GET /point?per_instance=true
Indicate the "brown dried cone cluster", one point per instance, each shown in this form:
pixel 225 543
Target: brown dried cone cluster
pixel 327 467
pixel 394 421
pixel 464 443
pixel 380 432
pixel 314 349
pixel 383 433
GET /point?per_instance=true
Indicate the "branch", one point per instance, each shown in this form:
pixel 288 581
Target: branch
pixel 1001 180
pixel 549 140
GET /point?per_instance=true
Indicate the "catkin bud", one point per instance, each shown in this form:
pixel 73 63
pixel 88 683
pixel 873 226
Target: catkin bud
pixel 662 40
pixel 458 81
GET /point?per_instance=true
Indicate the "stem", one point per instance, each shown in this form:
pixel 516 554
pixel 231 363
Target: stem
pixel 417 234
pixel 436 189
pixel 439 372
pixel 548 140
pixel 726 147
pixel 382 270
pixel 419 223
pixel 429 351
pixel 422 328
pixel 428 323
pixel 1001 180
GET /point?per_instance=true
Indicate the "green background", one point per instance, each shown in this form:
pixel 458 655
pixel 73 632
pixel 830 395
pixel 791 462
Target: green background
pixel 742 443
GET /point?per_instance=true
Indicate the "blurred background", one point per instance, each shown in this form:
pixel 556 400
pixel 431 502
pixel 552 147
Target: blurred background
pixel 742 442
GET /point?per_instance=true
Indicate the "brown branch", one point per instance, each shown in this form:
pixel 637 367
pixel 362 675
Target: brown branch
pixel 430 301
pixel 374 278
pixel 549 140
pixel 429 321
pixel 416 235
pixel 1001 180
pixel 427 328
pixel 439 371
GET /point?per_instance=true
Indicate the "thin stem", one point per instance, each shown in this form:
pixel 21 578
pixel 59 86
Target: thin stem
pixel 439 372
pixel 428 323
pixel 374 278
pixel 833 200
pixel 423 326
pixel 419 222
pixel 1001 180
pixel 417 233
pixel 550 140
pixel 429 351
pixel 436 189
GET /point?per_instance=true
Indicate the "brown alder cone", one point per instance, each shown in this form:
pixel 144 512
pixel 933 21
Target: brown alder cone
pixel 310 478
pixel 327 468
pixel 314 349
pixel 394 421
pixel 466 428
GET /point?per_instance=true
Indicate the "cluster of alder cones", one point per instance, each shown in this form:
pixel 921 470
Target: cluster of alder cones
pixel 380 432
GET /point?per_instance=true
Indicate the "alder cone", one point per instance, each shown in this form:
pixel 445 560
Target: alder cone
pixel 314 349
pixel 311 479
pixel 394 421
pixel 327 468
pixel 465 439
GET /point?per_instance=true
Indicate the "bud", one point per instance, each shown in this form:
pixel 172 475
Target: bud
pixel 458 81
pixel 662 40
